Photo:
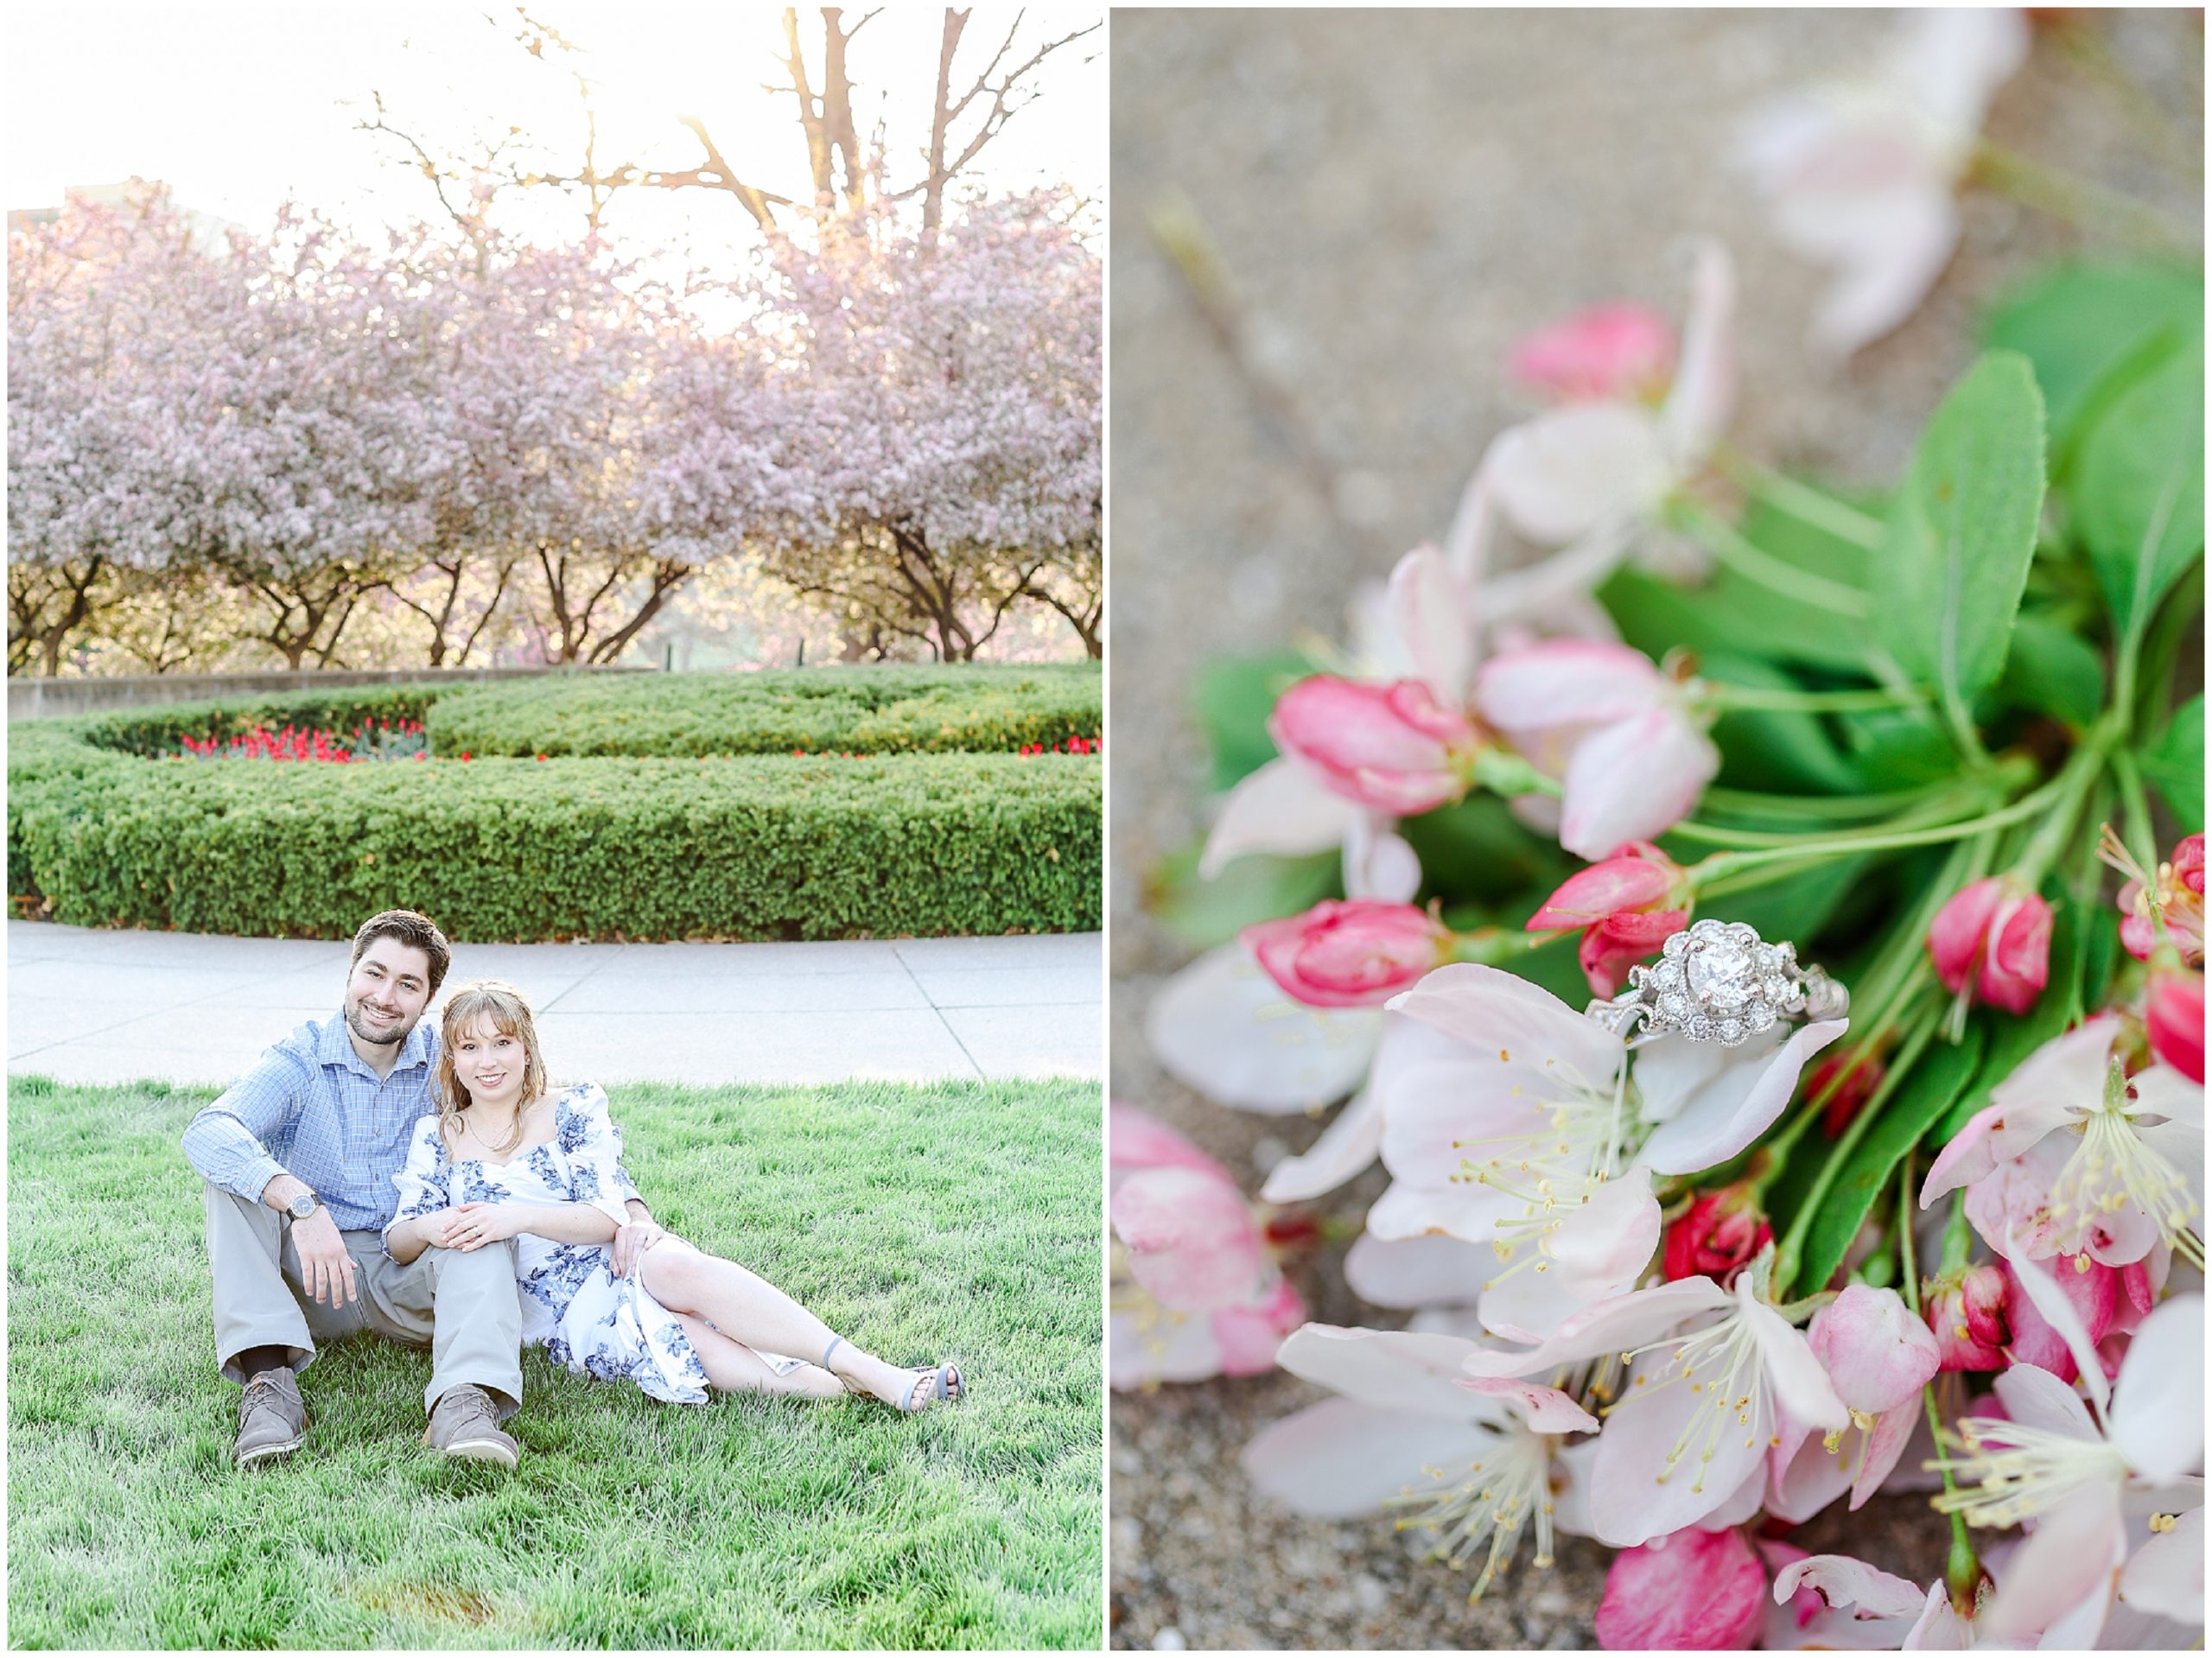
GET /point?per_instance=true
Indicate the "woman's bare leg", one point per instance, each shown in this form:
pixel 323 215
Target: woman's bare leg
pixel 733 1367
pixel 753 1312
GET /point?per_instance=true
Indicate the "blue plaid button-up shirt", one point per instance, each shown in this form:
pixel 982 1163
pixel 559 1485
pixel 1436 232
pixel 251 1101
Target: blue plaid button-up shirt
pixel 313 1109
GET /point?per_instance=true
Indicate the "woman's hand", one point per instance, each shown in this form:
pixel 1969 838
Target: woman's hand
pixel 631 1242
pixel 471 1226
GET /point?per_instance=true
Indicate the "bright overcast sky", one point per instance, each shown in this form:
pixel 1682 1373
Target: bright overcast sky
pixel 238 106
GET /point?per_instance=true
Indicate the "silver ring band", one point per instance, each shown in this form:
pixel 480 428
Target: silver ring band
pixel 1719 981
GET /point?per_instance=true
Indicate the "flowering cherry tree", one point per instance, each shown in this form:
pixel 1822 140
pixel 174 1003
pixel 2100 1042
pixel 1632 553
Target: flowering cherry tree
pixel 950 393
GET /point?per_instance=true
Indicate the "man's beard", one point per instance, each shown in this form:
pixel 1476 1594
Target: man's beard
pixel 355 1023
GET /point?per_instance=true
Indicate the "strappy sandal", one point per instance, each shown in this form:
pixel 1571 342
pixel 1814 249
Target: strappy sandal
pixel 849 1385
pixel 948 1386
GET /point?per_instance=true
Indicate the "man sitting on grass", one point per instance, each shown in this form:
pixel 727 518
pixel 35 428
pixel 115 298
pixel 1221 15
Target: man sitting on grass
pixel 300 1157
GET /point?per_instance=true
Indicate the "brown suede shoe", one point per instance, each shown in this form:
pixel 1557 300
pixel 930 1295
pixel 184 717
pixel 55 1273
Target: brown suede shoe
pixel 465 1424
pixel 272 1418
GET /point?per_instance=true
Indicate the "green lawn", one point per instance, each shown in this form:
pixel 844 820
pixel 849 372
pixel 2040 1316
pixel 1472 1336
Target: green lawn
pixel 954 1220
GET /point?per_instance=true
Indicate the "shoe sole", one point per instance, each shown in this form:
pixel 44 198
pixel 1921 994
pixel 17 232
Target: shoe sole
pixel 263 1453
pixel 481 1451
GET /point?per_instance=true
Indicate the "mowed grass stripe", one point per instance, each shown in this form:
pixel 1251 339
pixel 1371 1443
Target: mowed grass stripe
pixel 958 1219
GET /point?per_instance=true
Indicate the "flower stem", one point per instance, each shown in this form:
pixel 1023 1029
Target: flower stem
pixel 2087 206
pixel 1886 840
pixel 1725 695
pixel 1935 811
pixel 1727 544
pixel 1750 803
pixel 1793 1246
pixel 1809 506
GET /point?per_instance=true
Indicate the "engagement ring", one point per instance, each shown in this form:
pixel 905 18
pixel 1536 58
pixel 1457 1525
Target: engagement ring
pixel 1716 981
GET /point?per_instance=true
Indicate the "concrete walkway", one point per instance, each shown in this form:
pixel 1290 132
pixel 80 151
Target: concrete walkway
pixel 88 1005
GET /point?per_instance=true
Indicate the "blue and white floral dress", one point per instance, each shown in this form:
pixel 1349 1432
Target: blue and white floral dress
pixel 587 1318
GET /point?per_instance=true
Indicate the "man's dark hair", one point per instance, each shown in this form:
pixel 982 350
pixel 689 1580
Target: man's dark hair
pixel 417 932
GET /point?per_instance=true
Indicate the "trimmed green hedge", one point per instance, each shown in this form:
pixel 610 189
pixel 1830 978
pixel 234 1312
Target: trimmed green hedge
pixel 506 850
pixel 880 710
pixel 863 710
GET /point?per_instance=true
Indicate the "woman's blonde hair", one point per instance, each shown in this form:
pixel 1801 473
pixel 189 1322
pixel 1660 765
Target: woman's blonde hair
pixel 500 1003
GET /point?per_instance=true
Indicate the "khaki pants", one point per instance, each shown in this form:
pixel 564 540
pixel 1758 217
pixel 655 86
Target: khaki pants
pixel 465 1307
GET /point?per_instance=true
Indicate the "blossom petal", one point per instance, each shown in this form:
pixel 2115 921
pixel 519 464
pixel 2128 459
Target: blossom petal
pixel 1565 682
pixel 2058 1311
pixel 2035 1398
pixel 1343 1458
pixel 1191 1238
pixel 1137 1139
pixel 1801 1385
pixel 1561 474
pixel 2071 1555
pixel 1704 393
pixel 2165 1577
pixel 1633 779
pixel 1546 1410
pixel 1346 1148
pixel 1841 1581
pixel 1737 1106
pixel 1429 613
pixel 1416 1271
pixel 1391 1369
pixel 1282 809
pixel 1599 1250
pixel 1494 1010
pixel 2158 1404
pixel 1614 1325
pixel 1637 1493
pixel 1223 1027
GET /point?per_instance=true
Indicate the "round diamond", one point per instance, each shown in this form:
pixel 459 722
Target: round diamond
pixel 1669 974
pixel 1720 972
pixel 1674 1004
pixel 1761 1016
pixel 1732 1030
pixel 1675 944
pixel 1701 1027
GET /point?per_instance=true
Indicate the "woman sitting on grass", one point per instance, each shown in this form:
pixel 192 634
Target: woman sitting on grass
pixel 506 1157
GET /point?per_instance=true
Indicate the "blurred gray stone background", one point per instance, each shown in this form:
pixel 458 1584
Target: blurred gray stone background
pixel 1395 197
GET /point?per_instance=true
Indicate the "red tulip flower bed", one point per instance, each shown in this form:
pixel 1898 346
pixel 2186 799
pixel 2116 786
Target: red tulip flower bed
pixel 372 740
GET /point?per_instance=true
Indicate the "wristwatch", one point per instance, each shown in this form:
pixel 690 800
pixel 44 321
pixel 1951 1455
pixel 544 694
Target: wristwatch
pixel 304 1205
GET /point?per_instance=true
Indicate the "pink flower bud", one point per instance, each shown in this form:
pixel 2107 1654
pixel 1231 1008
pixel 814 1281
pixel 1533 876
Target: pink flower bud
pixel 1688 1592
pixel 1353 954
pixel 2177 893
pixel 1966 1314
pixel 1607 351
pixel 1392 748
pixel 2173 1015
pixel 1626 907
pixel 1722 1231
pixel 1876 1354
pixel 1993 941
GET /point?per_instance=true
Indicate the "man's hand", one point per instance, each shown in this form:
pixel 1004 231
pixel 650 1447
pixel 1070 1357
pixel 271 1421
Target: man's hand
pixel 471 1226
pixel 325 1267
pixel 632 1242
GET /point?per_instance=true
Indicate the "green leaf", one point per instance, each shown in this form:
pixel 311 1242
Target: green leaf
pixel 2139 492
pixel 2082 323
pixel 1200 914
pixel 2053 671
pixel 1778 750
pixel 1234 697
pixel 1729 614
pixel 1896 748
pixel 1943 1073
pixel 1962 534
pixel 2175 764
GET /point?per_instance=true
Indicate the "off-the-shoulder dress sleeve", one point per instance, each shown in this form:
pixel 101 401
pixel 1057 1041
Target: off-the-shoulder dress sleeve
pixel 594 1146
pixel 426 1183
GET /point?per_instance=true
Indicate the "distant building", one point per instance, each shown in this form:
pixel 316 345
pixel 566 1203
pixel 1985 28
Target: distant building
pixel 209 232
